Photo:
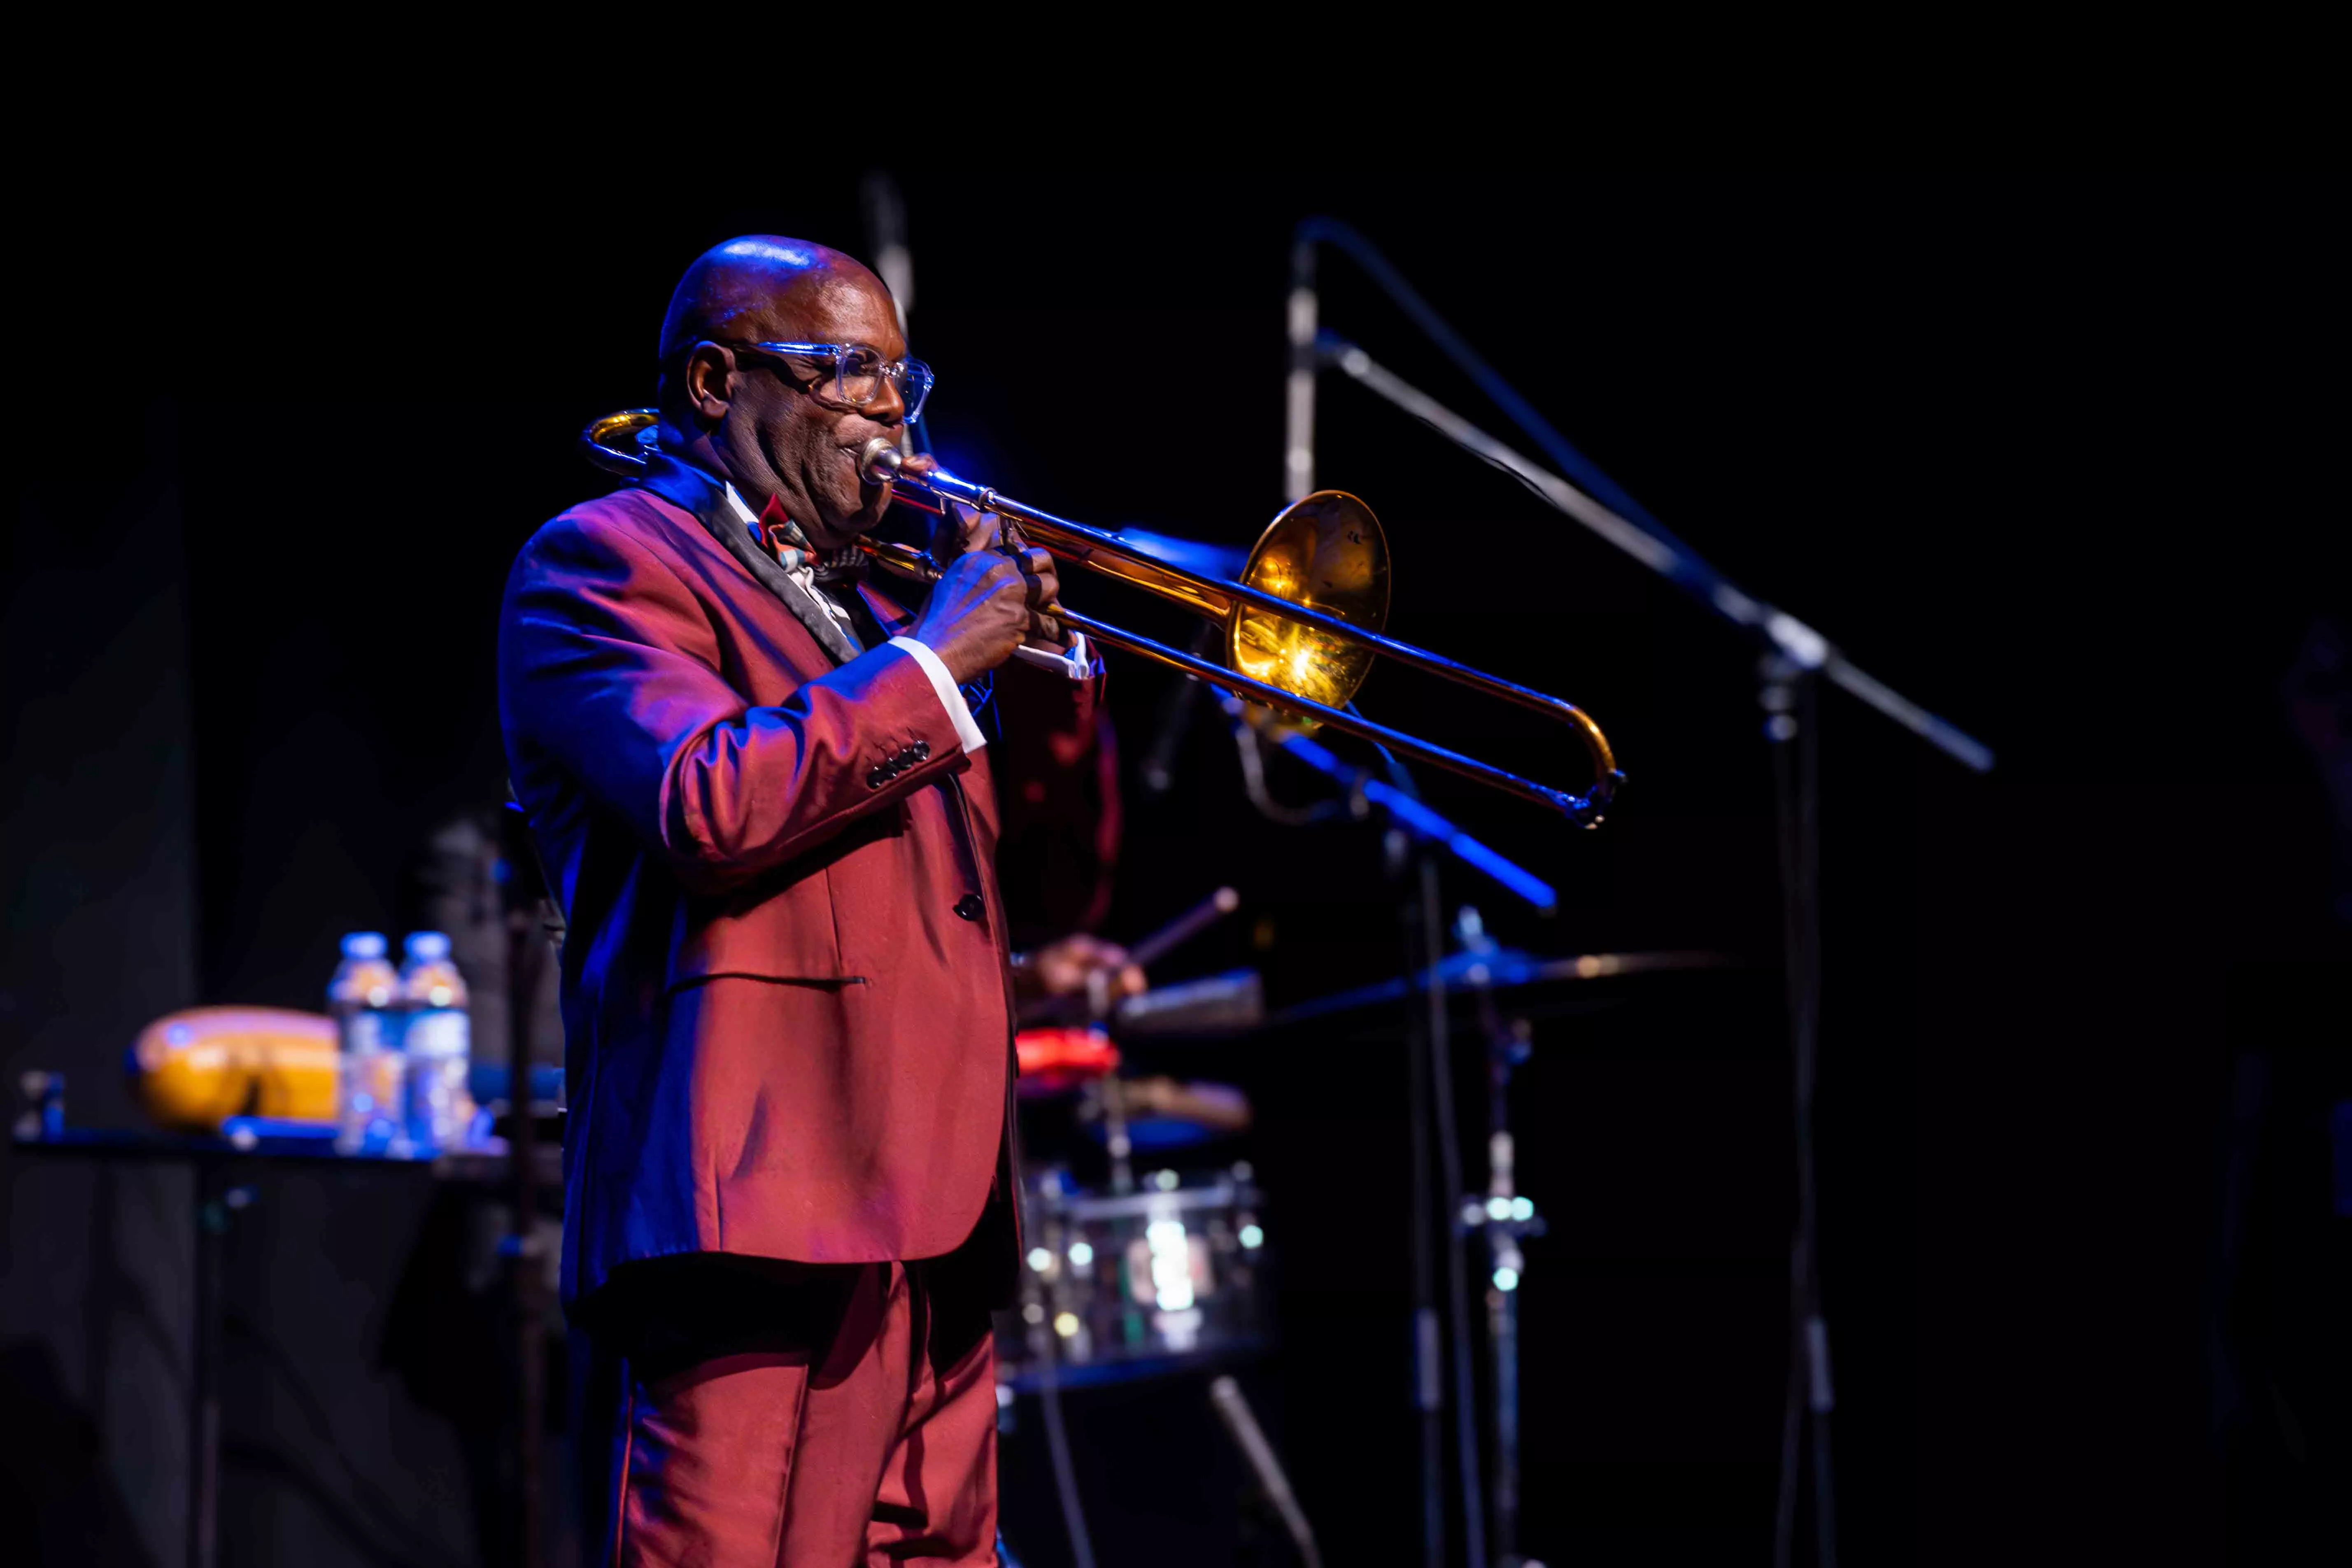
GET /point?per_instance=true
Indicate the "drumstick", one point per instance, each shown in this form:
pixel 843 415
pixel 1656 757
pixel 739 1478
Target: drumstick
pixel 1097 1001
pixel 1184 928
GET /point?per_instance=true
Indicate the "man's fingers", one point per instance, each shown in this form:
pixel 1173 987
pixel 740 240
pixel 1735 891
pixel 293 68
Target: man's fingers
pixel 1043 586
pixel 946 537
pixel 961 531
pixel 1037 570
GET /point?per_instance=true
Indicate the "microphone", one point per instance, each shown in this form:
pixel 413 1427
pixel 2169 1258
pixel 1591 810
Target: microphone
pixel 1175 719
pixel 1298 390
pixel 885 227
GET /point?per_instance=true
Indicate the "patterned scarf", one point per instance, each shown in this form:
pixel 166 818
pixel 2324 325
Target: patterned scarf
pixel 792 550
pixel 704 498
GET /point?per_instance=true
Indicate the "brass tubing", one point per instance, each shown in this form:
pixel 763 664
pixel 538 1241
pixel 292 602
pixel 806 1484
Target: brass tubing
pixel 1076 542
pixel 1585 810
pixel 616 441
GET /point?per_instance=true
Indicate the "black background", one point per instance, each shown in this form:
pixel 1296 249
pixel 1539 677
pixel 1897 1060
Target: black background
pixel 2043 453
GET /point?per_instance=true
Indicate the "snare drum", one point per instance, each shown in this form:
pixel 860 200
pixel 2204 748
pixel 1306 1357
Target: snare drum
pixel 1124 1285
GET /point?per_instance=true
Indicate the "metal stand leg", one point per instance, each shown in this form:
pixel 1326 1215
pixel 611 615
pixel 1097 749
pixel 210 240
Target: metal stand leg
pixel 531 917
pixel 525 1258
pixel 1457 1263
pixel 1421 953
pixel 211 1215
pixel 1118 1142
pixel 1789 695
pixel 1505 1217
pixel 1503 1333
pixel 1233 1410
pixel 1058 1445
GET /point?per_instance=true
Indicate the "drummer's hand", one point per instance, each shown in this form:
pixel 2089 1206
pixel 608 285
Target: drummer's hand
pixel 1069 967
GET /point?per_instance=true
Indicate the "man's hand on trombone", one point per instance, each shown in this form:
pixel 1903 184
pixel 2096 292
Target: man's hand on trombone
pixel 986 601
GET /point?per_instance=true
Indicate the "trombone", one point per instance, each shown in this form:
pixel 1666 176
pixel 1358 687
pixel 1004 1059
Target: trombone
pixel 1303 623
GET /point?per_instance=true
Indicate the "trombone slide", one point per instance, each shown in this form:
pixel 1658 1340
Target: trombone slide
pixel 1231 601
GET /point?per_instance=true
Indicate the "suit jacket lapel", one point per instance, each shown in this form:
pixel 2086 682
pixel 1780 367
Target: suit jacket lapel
pixel 689 488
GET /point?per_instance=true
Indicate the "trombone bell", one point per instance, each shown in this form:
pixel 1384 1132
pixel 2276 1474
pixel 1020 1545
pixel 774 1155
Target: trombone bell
pixel 1303 622
pixel 1325 553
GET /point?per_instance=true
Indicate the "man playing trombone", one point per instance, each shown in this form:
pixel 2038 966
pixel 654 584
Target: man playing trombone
pixel 789 1173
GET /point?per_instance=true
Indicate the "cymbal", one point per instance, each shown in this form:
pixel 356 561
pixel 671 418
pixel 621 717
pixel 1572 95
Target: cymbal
pixel 1503 969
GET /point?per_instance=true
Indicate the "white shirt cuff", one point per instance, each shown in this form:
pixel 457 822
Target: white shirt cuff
pixel 958 711
pixel 1078 663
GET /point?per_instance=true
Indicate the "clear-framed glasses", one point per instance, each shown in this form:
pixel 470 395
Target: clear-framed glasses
pixel 859 371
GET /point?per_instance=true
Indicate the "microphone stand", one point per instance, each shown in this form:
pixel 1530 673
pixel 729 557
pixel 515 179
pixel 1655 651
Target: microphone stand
pixel 1362 794
pixel 1415 834
pixel 526 896
pixel 1795 658
pixel 1505 1217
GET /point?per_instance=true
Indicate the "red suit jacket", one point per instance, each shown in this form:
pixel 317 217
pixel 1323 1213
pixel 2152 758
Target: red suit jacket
pixel 786 993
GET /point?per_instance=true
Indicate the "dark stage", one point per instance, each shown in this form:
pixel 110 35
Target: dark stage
pixel 2045 453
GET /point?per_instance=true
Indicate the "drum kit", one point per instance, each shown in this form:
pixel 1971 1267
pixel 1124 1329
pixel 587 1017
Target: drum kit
pixel 1148 1271
pixel 1162 1261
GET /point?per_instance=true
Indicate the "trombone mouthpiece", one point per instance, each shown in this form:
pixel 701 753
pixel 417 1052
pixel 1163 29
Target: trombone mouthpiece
pixel 877 460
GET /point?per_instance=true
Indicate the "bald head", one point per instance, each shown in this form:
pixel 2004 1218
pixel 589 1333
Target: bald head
pixel 764 287
pixel 766 422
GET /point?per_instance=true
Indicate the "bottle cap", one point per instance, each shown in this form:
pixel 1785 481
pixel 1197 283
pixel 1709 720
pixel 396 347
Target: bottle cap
pixel 428 946
pixel 364 944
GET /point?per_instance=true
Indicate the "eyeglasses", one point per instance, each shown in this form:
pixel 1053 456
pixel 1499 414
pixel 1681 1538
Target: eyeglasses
pixel 859 371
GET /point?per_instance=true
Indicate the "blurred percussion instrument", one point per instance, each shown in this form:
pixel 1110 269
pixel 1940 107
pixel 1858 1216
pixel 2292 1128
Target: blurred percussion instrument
pixel 196 1068
pixel 1473 974
pixel 1056 1060
pixel 1160 1113
pixel 1233 1003
pixel 1122 1286
pixel 1094 1003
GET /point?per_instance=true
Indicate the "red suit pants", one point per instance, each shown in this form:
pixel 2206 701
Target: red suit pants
pixel 836 1418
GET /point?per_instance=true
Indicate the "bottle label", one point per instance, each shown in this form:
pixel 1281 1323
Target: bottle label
pixel 375 1092
pixel 439 1108
pixel 441 1032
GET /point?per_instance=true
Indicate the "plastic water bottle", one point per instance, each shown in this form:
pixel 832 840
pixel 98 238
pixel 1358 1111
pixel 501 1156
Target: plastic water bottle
pixel 362 998
pixel 438 1039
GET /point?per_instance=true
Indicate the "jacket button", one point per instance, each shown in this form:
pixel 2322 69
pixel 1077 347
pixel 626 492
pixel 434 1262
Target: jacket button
pixel 971 906
pixel 921 749
pixel 876 778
